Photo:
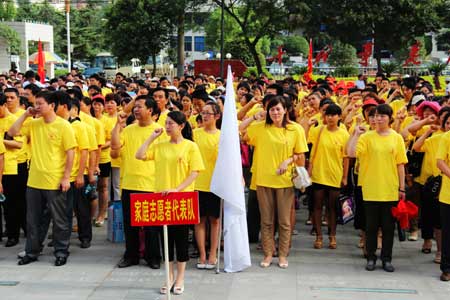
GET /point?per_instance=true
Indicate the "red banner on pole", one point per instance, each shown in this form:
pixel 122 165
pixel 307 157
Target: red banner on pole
pixel 308 75
pixel 41 62
pixel 154 209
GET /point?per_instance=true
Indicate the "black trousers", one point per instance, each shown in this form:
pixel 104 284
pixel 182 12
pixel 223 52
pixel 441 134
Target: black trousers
pixel 430 218
pixel 253 217
pixel 152 246
pixel 14 206
pixel 78 203
pixel 22 173
pixel 378 214
pixel 445 222
pixel 42 203
pixel 178 236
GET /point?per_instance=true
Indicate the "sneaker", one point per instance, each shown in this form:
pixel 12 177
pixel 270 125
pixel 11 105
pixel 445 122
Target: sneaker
pixel 370 266
pixel 388 267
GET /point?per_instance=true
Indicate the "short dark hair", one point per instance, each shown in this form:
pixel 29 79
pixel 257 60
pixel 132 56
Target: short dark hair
pixel 63 98
pixel 33 88
pixel 384 109
pixel 11 90
pixel 166 92
pixel 276 87
pixel 48 97
pixel 2 99
pixel 333 109
pixel 409 82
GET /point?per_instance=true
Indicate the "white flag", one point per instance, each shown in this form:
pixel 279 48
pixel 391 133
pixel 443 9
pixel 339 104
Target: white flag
pixel 227 183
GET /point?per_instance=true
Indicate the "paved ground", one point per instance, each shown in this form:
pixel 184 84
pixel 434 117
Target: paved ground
pixel 312 274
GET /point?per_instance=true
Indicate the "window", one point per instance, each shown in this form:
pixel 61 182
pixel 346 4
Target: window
pixel 188 43
pixel 199 43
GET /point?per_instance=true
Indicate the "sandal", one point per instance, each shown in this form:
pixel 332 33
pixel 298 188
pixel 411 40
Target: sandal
pixel 264 263
pixel 178 290
pixel 318 243
pixel 333 244
pixel 200 265
pixel 211 266
pixel 437 258
pixel 163 290
pixel 426 250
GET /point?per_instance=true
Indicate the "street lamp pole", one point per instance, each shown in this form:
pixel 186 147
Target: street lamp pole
pixel 69 62
pixel 222 39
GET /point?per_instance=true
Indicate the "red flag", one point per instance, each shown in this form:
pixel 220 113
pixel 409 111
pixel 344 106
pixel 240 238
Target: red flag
pixel 413 57
pixel 280 54
pixel 308 75
pixel 41 62
pixel 365 54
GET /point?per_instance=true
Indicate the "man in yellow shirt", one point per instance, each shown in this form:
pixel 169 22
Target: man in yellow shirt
pixel 443 163
pixel 13 105
pixel 75 195
pixel 13 206
pixel 161 97
pixel 137 177
pixel 52 146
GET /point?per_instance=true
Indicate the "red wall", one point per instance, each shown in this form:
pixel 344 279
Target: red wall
pixel 212 67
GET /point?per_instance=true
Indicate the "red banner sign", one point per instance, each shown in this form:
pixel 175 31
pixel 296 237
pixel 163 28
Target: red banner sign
pixel 154 209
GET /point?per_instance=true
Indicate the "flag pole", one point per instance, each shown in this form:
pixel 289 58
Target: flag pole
pixel 166 254
pixel 219 239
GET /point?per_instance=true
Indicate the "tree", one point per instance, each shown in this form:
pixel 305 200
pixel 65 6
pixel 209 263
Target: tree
pixel 343 55
pixel 7 10
pixel 392 24
pixel 176 15
pixel 257 19
pixel 44 12
pixel 11 38
pixel 295 45
pixel 436 69
pixel 146 33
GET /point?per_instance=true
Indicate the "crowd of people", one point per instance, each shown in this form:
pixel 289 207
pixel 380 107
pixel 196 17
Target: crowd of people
pixel 72 145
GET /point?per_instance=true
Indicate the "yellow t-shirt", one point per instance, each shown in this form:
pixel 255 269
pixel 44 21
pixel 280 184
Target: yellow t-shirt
pixel 378 159
pixel 208 143
pixel 254 110
pixel 80 131
pixel 84 117
pixel 162 118
pixel 93 145
pixel 429 166
pixel 23 153
pixel 10 158
pixel 108 125
pixel 328 167
pixel 274 145
pixel 174 163
pixel 2 147
pixel 136 174
pixel 443 153
pixel 192 121
pixel 115 162
pixel 49 143
pixel 99 131
pixel 396 105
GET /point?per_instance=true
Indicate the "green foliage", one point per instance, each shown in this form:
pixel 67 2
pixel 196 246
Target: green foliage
pixel 258 19
pixel 437 68
pixel 390 67
pixel 443 39
pixel 143 35
pixel 346 71
pixel 392 23
pixel 7 10
pixel 11 38
pixel 342 55
pixel 253 71
pixel 295 45
pixel 297 70
pixel 403 54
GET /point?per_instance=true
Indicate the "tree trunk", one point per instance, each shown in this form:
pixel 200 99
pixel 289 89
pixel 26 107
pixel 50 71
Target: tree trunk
pixel 437 84
pixel 154 64
pixel 377 55
pixel 180 37
pixel 252 49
